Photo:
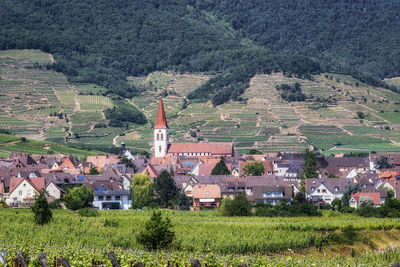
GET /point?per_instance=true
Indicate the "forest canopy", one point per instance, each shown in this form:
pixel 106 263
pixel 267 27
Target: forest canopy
pixel 103 42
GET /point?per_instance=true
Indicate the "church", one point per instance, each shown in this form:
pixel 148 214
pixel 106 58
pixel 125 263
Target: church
pixel 163 148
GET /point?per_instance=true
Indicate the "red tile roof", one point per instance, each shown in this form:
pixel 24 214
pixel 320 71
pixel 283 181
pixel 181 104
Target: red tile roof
pixel 37 183
pixel 161 121
pixel 376 197
pixel 14 182
pixel 151 171
pixel 213 148
pixel 206 169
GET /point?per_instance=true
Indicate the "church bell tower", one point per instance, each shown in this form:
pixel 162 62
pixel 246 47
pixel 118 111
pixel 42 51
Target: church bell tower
pixel 161 133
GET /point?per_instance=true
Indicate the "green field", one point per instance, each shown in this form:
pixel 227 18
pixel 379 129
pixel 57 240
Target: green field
pixel 215 240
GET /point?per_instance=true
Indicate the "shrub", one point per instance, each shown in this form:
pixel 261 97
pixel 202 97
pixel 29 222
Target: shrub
pixel 157 233
pixel 86 212
pixel 110 223
pixel 239 206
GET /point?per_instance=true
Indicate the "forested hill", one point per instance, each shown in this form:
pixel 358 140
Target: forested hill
pixel 359 35
pixel 105 41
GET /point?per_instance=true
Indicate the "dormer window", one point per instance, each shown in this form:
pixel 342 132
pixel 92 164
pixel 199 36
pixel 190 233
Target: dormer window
pixel 336 189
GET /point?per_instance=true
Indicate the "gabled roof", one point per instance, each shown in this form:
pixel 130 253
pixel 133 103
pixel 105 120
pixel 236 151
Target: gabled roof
pixel 161 121
pixel 330 183
pixel 376 197
pixel 151 171
pixel 37 183
pixel 206 191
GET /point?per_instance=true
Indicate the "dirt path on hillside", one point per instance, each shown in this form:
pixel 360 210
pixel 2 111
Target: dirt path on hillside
pixel 147 114
pixel 51 58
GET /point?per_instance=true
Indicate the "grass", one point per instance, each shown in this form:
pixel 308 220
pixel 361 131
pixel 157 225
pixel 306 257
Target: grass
pixel 94 102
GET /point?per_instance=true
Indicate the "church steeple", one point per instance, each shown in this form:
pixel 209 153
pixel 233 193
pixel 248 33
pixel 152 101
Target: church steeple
pixel 161 133
pixel 161 121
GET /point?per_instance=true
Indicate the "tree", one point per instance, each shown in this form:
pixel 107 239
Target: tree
pixel 220 168
pixel 78 198
pixel 165 189
pixel 383 163
pixel 336 204
pixel 128 163
pixel 310 168
pixel 93 170
pixel 365 201
pixel 347 194
pixel 255 152
pixel 41 209
pixel 254 169
pixel 157 232
pixel 142 193
pixel 239 206
pixel 184 202
pixel 360 115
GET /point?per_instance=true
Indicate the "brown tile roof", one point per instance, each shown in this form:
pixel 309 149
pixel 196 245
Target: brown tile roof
pixel 151 171
pixel 206 191
pixel 101 160
pixel 161 121
pixel 37 183
pixel 206 169
pixel 213 148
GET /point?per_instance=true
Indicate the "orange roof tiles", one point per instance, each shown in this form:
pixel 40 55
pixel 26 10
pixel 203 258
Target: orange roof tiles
pixel 161 121
pixel 375 196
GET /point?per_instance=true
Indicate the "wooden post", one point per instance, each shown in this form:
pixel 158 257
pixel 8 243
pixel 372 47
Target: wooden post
pixel 113 259
pixel 21 259
pixel 396 264
pixel 65 263
pixel 42 258
pixel 195 263
pixel 138 264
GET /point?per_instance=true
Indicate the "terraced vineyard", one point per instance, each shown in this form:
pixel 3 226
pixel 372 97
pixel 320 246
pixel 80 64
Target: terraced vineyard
pixel 32 99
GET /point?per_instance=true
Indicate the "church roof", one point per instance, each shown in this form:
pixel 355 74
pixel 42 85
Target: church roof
pixel 213 148
pixel 161 121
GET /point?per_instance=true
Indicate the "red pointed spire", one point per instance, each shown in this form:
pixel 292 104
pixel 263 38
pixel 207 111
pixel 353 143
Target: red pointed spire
pixel 161 121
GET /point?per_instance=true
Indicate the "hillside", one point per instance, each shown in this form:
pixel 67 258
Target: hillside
pixel 105 42
pixel 11 143
pixel 42 104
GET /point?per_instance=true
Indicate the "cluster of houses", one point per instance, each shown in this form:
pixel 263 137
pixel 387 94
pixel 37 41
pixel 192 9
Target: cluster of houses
pixel 191 164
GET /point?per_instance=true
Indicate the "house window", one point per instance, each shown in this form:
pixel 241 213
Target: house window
pixel 319 191
pixel 108 198
pixel 24 185
pixel 323 190
pixel 20 192
pixel 231 188
pixel 312 188
pixel 269 172
pixel 100 198
pixel 158 137
pixel 29 192
pixel 117 197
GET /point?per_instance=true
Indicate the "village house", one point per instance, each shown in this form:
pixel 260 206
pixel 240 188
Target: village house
pixel 206 196
pixel 112 199
pixel 23 191
pixel 321 191
pixel 357 197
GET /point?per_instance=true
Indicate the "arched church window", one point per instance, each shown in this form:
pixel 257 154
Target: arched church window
pixel 162 137
pixel 158 136
pixel 159 148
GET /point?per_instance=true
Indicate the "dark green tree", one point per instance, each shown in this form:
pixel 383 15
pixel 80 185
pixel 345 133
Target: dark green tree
pixel 239 206
pixel 78 198
pixel 255 168
pixel 184 202
pixel 93 170
pixel 220 168
pixel 383 163
pixel 165 189
pixel 41 209
pixel 310 167
pixel 157 233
